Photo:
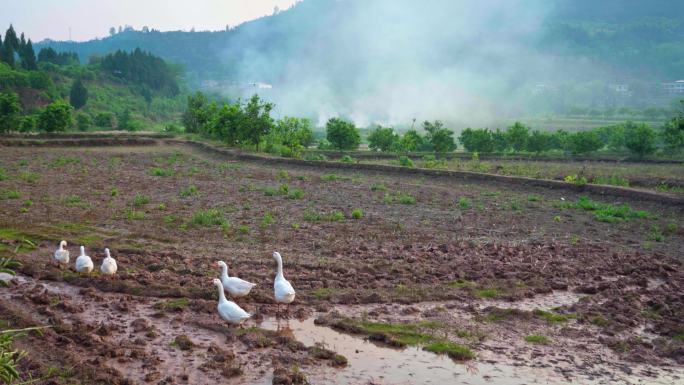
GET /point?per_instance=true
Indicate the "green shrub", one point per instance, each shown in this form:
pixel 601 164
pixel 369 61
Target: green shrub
pixel 296 194
pixel 357 214
pixel 405 161
pixel 140 200
pixel 347 159
pixel 464 203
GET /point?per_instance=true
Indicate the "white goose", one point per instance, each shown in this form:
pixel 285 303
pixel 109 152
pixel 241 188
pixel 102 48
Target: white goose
pixel 61 254
pixel 283 290
pixel 108 264
pixel 228 310
pixel 83 263
pixel 236 287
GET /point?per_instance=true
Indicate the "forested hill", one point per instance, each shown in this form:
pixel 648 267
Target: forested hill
pixel 635 37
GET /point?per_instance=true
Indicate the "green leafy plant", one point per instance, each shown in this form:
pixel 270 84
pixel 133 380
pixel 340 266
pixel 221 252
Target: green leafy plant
pixel 405 161
pixel 357 214
pixel 158 171
pixel 267 220
pixel 8 266
pixel 296 194
pixel 208 218
pixel 189 191
pixel 140 200
pixel 464 203
pixel 406 199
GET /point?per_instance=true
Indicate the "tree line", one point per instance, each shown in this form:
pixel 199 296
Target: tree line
pixel 246 124
pixel 639 139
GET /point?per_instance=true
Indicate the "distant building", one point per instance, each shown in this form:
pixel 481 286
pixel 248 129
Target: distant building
pixel 674 88
pixel 540 89
pixel 620 88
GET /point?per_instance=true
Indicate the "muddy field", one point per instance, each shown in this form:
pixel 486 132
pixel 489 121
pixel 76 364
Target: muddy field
pixel 399 279
pixel 661 177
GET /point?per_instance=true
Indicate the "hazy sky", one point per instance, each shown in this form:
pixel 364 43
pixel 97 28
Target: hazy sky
pixel 40 19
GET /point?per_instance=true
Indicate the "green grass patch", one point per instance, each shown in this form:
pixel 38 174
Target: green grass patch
pixel 406 199
pixel 177 304
pixel 267 221
pixel 357 214
pixel 554 318
pixel 208 218
pixel 611 181
pixel 313 216
pixel 140 200
pixel 537 339
pixel 75 201
pixel 486 292
pixel 453 350
pixel 29 177
pixel 189 191
pixel 378 187
pixel 10 194
pixel 403 334
pixel 62 161
pixel 323 293
pixel 460 284
pixel 330 177
pixel 296 194
pixel 134 215
pixel 158 171
pixel 605 212
pixel 464 203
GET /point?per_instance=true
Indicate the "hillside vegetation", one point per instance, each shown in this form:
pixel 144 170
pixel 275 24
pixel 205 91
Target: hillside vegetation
pixel 120 90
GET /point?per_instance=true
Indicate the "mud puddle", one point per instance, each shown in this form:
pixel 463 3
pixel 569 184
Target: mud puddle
pixel 546 302
pixel 369 363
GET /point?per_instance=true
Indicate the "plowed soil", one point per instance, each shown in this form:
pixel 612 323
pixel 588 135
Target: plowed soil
pixel 483 257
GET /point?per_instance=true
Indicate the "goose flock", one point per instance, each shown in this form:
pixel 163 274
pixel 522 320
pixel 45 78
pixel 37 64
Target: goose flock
pixel 229 311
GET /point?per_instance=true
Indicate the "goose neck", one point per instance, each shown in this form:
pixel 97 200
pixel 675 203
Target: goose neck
pixel 279 273
pixel 222 295
pixel 224 271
